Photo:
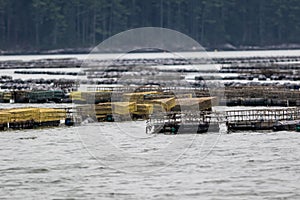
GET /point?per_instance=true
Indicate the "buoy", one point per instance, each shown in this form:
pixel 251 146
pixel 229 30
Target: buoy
pixel 173 130
pixel 298 127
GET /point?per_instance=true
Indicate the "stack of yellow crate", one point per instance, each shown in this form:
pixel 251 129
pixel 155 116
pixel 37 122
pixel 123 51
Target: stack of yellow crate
pixel 76 96
pixel 23 114
pixel 195 104
pixel 121 108
pixel 143 109
pixel 161 105
pixel 4 117
pixel 50 114
pixel 103 109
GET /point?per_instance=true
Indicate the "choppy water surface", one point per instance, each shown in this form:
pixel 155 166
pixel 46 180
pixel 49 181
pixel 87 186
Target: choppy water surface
pixel 55 163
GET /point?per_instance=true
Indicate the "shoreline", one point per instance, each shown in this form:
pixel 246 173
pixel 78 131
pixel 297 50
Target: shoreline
pixel 221 48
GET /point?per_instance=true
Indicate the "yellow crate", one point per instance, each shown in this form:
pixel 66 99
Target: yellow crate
pixel 194 104
pixel 121 108
pixel 23 114
pixel 143 109
pixel 51 114
pixel 103 109
pixel 35 114
pixel 4 117
pixel 163 104
pixel 76 95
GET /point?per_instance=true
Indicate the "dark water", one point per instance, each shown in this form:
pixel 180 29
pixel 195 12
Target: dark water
pixel 61 163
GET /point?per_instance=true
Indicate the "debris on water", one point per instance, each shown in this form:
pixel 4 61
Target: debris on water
pixel 28 138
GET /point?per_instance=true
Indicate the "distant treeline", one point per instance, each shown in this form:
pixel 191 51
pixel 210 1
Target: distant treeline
pixel 50 24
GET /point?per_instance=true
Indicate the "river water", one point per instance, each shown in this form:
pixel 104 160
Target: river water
pixel 120 161
pixel 54 163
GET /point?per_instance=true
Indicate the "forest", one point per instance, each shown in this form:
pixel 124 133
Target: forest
pixel 54 24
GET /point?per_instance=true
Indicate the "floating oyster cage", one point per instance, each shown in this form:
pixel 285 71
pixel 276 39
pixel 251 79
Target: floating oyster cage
pixel 275 119
pixel 21 118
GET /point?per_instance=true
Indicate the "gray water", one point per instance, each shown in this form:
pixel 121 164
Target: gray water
pixel 57 164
